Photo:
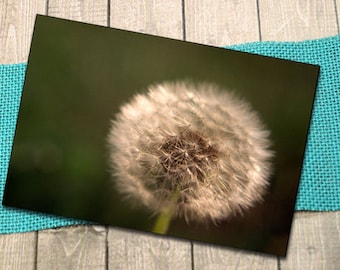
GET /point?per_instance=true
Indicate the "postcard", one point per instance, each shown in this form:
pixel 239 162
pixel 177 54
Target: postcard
pixel 160 135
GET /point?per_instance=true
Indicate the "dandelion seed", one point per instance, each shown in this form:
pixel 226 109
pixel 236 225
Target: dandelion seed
pixel 204 145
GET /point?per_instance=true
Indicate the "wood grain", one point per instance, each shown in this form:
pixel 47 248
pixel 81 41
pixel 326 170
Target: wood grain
pixel 17 251
pixel 74 247
pixel 315 237
pixel 17 20
pixel 301 20
pixel 337 7
pixel 88 11
pixel 133 250
pixel 212 258
pixel 315 242
pixel 78 247
pixel 218 23
pixel 157 17
pixel 297 20
pixel 221 23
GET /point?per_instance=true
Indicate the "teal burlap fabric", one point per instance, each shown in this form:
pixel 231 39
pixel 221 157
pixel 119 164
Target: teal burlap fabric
pixel 320 180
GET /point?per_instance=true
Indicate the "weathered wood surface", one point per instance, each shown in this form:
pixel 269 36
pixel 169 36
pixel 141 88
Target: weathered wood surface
pixel 221 23
pixel 79 247
pixel 157 17
pixel 130 250
pixel 314 242
pixel 88 11
pixel 315 237
pixel 16 28
pixel 18 251
pixel 297 20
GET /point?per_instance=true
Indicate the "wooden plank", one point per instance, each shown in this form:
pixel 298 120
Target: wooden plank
pixel 80 247
pixel 89 11
pixel 127 249
pixel 217 23
pixel 212 258
pixel 297 20
pixel 221 23
pixel 315 242
pixel 17 20
pixel 77 247
pixel 337 7
pixel 132 250
pixel 17 251
pixel 157 17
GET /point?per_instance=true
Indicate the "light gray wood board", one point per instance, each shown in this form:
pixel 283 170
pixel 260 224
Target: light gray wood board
pixel 221 23
pixel 82 247
pixel 301 20
pixel 209 257
pixel 16 29
pixel 135 250
pixel 17 251
pixel 337 6
pixel 87 11
pixel 76 247
pixel 291 20
pixel 314 242
pixel 319 17
pixel 157 17
pixel 128 249
pixel 17 21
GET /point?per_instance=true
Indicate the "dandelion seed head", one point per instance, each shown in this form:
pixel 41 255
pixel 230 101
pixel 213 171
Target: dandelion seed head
pixel 199 140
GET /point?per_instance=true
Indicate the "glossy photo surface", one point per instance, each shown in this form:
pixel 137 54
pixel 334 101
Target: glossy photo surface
pixel 79 79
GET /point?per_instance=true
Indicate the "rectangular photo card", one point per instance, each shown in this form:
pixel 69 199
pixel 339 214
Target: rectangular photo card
pixel 160 135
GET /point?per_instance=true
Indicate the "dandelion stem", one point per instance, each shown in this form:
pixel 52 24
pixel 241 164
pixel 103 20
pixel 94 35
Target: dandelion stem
pixel 163 220
pixel 162 223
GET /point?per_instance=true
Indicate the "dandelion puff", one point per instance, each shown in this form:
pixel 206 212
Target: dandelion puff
pixel 194 148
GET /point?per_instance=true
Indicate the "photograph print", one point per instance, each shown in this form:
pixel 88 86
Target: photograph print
pixel 160 136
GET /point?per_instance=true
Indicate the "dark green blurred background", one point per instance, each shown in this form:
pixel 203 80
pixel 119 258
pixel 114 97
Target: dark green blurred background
pixel 77 77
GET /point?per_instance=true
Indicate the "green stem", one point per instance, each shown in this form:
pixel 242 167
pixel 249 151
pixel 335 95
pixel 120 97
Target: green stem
pixel 163 220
